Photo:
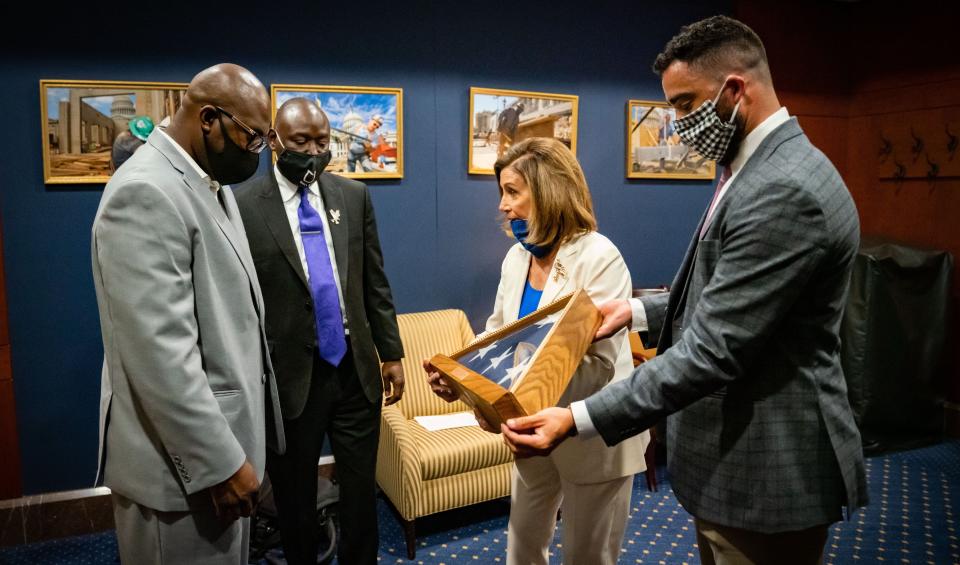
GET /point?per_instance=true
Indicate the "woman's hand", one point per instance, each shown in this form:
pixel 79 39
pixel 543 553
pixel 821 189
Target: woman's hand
pixel 484 424
pixel 438 385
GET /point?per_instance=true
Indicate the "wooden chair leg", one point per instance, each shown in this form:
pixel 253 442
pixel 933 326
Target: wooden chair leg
pixel 409 531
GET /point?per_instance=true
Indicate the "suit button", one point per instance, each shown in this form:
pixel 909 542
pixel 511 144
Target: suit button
pixel 308 305
pixel 309 347
pixel 263 378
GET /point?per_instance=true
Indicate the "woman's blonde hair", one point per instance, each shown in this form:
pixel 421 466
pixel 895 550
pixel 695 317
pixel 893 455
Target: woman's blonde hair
pixel 561 205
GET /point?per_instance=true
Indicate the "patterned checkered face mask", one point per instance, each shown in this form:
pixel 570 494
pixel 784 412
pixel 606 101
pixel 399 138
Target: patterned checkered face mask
pixel 705 131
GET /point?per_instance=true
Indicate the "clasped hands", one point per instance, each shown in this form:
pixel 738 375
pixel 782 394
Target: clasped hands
pixel 540 433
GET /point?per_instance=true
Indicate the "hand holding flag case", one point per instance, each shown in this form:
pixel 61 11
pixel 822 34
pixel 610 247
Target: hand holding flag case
pixel 525 366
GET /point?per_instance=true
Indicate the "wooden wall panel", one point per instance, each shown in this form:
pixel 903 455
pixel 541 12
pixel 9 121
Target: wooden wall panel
pixel 849 84
pixel 11 485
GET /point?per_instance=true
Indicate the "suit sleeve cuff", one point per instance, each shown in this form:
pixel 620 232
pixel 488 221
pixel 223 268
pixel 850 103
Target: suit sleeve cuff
pixel 639 321
pixel 581 419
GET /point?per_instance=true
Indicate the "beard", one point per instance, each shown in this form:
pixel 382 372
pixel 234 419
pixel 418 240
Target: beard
pixel 735 142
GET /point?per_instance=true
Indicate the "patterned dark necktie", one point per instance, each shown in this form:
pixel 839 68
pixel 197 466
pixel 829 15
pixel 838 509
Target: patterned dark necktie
pixel 724 177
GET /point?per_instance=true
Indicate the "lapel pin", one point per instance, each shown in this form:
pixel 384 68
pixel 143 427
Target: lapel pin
pixel 558 271
pixel 335 216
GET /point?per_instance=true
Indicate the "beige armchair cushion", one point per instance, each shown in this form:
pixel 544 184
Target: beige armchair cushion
pixel 425 472
pixel 458 450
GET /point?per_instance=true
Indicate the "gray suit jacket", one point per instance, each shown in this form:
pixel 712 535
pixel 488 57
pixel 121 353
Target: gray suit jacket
pixel 187 390
pixel 762 436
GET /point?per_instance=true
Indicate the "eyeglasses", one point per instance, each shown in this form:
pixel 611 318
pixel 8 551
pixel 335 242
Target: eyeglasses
pixel 257 141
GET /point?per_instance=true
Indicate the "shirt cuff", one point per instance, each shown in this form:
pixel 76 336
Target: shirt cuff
pixel 639 321
pixel 581 419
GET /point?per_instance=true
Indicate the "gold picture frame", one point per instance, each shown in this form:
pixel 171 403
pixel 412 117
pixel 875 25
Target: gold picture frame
pixel 351 110
pixel 654 150
pixel 77 148
pixel 495 113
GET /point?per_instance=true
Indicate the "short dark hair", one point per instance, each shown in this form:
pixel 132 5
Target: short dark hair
pixel 717 44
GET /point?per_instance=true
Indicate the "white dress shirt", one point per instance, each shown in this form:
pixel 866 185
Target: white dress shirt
pixel 193 164
pixel 638 322
pixel 290 194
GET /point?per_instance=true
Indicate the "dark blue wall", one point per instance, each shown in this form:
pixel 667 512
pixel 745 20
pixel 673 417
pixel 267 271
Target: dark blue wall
pixel 438 225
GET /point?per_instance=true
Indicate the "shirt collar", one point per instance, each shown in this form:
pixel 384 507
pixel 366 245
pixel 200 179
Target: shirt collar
pixel 756 137
pixel 190 161
pixel 289 190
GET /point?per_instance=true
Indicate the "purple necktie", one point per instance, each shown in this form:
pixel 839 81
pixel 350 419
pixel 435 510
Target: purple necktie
pixel 326 302
pixel 724 177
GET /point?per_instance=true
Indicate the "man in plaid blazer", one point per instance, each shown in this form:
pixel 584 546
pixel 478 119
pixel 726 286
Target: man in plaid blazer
pixel 763 448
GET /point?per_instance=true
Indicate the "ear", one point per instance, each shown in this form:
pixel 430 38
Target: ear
pixel 737 85
pixel 272 140
pixel 208 116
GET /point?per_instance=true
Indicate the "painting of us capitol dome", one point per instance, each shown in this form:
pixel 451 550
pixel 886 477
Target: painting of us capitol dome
pixel 366 126
pixel 90 128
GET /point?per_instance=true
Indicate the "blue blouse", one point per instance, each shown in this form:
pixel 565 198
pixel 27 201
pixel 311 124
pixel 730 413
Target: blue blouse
pixel 530 300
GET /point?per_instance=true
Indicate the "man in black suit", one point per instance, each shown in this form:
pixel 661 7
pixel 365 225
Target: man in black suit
pixel 314 241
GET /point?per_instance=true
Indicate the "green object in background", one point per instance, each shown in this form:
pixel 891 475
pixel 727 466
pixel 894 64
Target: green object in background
pixel 141 126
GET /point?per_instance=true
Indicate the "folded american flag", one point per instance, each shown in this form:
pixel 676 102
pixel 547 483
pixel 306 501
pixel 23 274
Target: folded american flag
pixel 504 360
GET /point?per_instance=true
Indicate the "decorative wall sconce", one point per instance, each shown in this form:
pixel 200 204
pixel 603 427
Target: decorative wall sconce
pixel 952 142
pixel 900 172
pixel 917 147
pixel 886 148
pixel 933 171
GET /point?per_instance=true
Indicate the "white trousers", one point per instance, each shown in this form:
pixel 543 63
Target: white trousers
pixel 593 520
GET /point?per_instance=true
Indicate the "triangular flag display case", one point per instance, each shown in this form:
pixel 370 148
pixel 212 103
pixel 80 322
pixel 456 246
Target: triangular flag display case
pixel 524 366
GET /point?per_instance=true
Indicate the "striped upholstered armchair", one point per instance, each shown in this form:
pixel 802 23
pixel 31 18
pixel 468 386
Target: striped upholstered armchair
pixel 424 472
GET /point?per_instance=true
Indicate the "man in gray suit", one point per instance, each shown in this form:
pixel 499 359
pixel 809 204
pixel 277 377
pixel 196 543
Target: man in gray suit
pixel 763 448
pixel 188 398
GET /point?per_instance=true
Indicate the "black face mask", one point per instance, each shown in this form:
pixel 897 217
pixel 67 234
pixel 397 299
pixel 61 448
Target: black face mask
pixel 232 165
pixel 301 168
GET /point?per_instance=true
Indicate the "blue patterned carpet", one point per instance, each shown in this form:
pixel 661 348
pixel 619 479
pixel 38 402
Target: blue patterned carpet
pixel 910 519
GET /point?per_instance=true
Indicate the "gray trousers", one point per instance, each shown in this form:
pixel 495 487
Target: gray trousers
pixel 151 537
pixel 723 545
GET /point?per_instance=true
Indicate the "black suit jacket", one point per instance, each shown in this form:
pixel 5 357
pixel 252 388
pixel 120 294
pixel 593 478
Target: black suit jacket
pixel 290 323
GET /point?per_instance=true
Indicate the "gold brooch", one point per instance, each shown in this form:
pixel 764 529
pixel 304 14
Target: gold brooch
pixel 558 271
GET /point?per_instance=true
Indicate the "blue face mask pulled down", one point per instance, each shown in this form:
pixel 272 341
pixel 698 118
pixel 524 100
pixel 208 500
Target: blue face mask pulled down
pixel 520 231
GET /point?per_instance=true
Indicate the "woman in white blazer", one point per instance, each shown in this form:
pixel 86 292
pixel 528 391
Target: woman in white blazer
pixel 545 200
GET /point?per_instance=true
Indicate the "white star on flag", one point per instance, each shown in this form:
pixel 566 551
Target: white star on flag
pixel 495 362
pixel 513 373
pixel 482 352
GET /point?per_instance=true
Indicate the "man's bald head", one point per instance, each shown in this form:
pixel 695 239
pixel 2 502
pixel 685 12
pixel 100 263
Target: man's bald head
pixel 301 126
pixel 301 111
pixel 234 89
pixel 225 106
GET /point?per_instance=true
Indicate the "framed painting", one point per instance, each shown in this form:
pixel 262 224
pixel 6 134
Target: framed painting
pixel 366 126
pixel 500 118
pixel 90 127
pixel 654 150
